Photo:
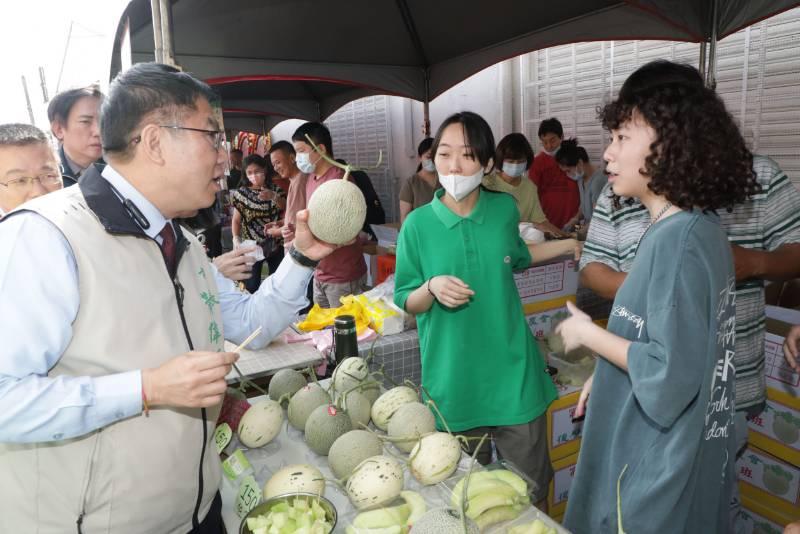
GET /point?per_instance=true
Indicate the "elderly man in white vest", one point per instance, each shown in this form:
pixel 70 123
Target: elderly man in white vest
pixel 112 367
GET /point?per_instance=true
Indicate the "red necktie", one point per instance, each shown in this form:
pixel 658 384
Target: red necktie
pixel 168 246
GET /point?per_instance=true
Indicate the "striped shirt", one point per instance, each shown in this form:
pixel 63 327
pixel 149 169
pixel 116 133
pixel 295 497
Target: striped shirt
pixel 767 221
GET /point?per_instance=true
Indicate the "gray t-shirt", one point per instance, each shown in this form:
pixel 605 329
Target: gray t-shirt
pixel 590 192
pixel 668 420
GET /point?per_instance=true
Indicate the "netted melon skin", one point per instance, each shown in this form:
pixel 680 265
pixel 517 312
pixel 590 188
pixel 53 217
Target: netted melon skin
pixel 336 212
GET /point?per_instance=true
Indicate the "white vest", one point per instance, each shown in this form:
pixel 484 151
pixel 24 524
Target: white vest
pixel 141 474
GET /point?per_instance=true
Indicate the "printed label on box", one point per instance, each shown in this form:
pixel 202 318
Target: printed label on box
pixel 562 480
pixel 779 375
pixel 547 281
pixel 542 323
pixel 780 423
pixel 564 430
pixel 752 523
pixel 772 476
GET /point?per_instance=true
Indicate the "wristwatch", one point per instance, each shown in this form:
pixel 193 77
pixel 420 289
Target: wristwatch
pixel 302 259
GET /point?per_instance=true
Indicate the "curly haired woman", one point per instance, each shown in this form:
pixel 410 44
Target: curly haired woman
pixel 658 444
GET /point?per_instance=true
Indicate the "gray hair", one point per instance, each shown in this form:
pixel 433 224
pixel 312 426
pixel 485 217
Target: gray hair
pixel 17 134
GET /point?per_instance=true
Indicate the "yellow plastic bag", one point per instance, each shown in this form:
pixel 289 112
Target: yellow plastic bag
pixel 319 318
pixel 379 313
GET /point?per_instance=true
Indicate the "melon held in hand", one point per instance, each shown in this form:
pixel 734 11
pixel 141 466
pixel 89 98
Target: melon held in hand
pixel 337 211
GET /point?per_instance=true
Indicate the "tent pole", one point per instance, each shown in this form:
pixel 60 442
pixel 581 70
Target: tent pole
pixel 711 72
pixel 426 107
pixel 166 32
pixel 701 64
pixel 155 12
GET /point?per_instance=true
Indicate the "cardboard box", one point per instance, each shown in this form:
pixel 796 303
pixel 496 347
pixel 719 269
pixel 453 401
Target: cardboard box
pixel 542 317
pixel 548 281
pixel 783 383
pixel 755 518
pixel 564 474
pixel 776 430
pixel 563 435
pixel 769 481
pixel 386 233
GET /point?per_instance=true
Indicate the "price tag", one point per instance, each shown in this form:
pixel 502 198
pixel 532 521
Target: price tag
pixel 248 497
pixel 236 464
pixel 222 436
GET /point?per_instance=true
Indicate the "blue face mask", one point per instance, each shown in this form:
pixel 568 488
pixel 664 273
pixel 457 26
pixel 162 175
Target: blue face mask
pixel 428 165
pixel 514 170
pixel 303 162
pixel 577 176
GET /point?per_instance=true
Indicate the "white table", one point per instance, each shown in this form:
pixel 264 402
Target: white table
pixel 272 358
pixel 290 448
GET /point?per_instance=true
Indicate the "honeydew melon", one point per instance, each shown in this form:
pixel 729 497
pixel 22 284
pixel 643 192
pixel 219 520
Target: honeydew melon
pixel 349 373
pixel 412 419
pixel 434 458
pixel 305 401
pixel 389 402
pixel 374 482
pixel 260 424
pixel 297 478
pixel 350 449
pixel 337 211
pixel 325 424
pixel 285 382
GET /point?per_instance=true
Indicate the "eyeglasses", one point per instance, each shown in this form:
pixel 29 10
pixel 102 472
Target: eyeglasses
pixel 26 182
pixel 215 136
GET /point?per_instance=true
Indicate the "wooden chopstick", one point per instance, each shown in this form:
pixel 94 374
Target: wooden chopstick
pixel 243 344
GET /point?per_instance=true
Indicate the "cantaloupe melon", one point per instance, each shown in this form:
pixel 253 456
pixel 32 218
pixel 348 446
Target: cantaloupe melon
pixel 349 373
pixel 357 407
pixel 443 521
pixel 337 211
pixel 260 424
pixel 285 382
pixel 389 402
pixel 297 478
pixel 350 449
pixel 412 419
pixel 375 481
pixel 325 424
pixel 305 401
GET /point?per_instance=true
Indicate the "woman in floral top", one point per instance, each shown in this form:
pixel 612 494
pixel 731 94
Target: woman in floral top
pixel 256 215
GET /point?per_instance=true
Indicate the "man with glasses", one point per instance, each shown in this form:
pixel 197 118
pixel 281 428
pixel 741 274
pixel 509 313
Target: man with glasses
pixel 28 167
pixel 112 370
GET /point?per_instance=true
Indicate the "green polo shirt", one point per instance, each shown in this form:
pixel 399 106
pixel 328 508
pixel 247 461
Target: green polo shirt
pixel 480 362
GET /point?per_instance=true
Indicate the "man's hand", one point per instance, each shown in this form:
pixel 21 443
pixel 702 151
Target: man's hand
pixel 748 263
pixel 191 380
pixel 573 328
pixel 791 347
pixel 287 232
pixel 273 229
pixel 308 245
pixel 236 265
pixel 450 291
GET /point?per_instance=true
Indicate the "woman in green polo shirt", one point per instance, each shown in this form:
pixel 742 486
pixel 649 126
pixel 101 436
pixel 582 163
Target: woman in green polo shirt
pixel 455 262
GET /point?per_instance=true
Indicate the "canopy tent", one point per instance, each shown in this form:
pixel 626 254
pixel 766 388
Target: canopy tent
pixel 305 58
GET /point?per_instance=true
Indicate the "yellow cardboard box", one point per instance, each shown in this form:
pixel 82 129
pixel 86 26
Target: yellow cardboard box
pixel 755 518
pixel 769 481
pixel 564 474
pixel 783 383
pixel 776 430
pixel 563 435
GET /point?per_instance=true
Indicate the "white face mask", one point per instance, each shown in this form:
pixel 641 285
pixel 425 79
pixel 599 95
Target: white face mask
pixel 303 162
pixel 428 165
pixel 577 176
pixel 514 170
pixel 458 186
pixel 551 152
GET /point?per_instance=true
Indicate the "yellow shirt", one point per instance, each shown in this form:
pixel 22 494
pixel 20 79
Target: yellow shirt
pixel 525 194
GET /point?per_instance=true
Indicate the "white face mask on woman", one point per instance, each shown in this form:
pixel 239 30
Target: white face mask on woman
pixel 428 165
pixel 458 186
pixel 514 170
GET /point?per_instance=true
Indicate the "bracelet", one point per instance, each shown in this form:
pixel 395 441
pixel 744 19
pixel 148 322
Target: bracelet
pixel 429 289
pixel 302 259
pixel 144 403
